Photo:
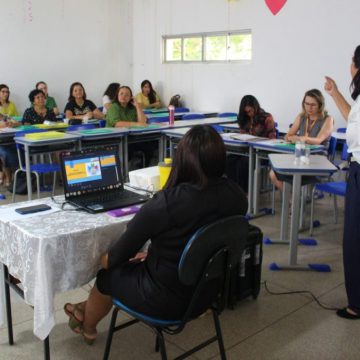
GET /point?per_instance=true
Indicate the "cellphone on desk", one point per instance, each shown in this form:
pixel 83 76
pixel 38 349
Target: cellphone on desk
pixel 32 209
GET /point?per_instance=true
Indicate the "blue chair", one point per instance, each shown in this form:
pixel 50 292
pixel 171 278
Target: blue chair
pixel 158 119
pixel 341 130
pixel 204 265
pixel 332 148
pixel 181 109
pixel 227 114
pixel 36 169
pixel 80 127
pixel 193 116
pixel 335 188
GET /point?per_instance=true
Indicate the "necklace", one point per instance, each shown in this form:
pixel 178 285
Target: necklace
pixel 309 125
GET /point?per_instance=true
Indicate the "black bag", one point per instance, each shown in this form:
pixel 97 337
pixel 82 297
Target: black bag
pixel 21 187
pixel 245 278
pixel 175 101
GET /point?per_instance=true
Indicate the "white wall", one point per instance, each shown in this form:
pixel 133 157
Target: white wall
pixel 291 52
pixel 62 41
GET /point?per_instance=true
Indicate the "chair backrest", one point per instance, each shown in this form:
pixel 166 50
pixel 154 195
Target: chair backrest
pixel 181 109
pixel 207 259
pixel 341 130
pixel 80 127
pixel 332 148
pixel 192 116
pixel 158 119
pixel 344 152
pixel 227 114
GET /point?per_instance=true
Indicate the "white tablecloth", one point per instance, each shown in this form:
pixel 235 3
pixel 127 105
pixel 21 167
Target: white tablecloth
pixel 52 253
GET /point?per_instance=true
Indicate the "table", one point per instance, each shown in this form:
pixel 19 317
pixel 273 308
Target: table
pixel 54 252
pixel 284 164
pixel 41 146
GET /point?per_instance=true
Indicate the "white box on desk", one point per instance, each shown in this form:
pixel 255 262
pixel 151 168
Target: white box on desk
pixel 147 178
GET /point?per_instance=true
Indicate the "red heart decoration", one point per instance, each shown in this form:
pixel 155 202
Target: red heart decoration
pixel 275 5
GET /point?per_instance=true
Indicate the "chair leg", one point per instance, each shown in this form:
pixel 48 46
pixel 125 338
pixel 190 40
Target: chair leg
pixel 335 209
pixel 219 335
pixel 160 342
pixel 54 183
pixel 111 333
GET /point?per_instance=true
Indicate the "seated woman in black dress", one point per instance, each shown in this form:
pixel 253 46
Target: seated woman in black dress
pixel 38 112
pixel 196 194
pixel 253 120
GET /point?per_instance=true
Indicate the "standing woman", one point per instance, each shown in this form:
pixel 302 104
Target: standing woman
pixel 109 96
pixel 351 244
pixel 148 98
pixel 79 107
pixel 50 101
pixel 6 106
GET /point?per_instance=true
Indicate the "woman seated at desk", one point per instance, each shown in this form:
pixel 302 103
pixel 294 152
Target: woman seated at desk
pixel 50 102
pixel 79 107
pixel 312 126
pixel 7 107
pixel 253 120
pixel 125 111
pixel 38 112
pixel 109 96
pixel 196 194
pixel 148 98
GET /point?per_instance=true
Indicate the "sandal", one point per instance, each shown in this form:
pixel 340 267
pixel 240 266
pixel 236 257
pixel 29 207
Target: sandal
pixel 88 340
pixel 344 313
pixel 75 324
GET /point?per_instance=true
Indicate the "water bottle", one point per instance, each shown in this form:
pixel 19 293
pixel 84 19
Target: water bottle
pixel 299 150
pixel 164 171
pixel 171 115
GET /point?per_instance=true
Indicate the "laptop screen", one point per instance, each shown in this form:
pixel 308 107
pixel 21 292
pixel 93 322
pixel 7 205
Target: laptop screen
pixel 91 170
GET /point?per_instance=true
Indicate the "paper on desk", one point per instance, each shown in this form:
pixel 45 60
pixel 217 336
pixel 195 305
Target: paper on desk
pixel 7 215
pixel 246 137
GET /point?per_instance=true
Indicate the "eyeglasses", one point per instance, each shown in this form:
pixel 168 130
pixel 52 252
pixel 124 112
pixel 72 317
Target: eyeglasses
pixel 5 91
pixel 310 104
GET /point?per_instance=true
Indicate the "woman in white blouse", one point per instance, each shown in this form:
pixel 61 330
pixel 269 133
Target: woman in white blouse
pixel 351 243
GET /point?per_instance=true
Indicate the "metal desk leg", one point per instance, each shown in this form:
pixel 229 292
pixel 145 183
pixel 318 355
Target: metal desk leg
pixel 126 157
pixel 8 305
pixel 47 348
pixel 251 182
pixel 28 172
pixel 171 148
pixel 256 184
pixel 161 148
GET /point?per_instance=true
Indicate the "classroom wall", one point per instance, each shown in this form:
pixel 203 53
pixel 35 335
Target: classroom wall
pixel 291 52
pixel 62 41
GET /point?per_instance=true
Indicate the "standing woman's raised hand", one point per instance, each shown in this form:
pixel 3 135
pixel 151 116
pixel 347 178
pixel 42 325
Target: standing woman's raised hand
pixel 330 85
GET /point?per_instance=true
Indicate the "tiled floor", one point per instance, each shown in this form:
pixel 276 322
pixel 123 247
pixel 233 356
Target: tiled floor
pixel 271 327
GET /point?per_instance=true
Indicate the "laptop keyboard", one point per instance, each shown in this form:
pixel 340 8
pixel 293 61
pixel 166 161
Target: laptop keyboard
pixel 108 197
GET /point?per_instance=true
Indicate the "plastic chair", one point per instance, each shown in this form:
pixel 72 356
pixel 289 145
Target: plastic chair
pixel 181 109
pixel 332 148
pixel 80 127
pixel 227 114
pixel 341 130
pixel 192 116
pixel 40 168
pixel 335 188
pixel 204 265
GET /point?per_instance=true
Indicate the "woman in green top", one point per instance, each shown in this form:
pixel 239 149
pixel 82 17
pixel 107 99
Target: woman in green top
pixel 125 110
pixel 50 101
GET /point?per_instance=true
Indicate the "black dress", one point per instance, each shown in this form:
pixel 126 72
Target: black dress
pixel 169 220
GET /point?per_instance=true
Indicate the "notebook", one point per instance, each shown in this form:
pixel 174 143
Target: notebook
pixel 93 180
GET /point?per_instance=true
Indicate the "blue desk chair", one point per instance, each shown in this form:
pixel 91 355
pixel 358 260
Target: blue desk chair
pixel 335 188
pixel 204 265
pixel 181 109
pixel 36 169
pixel 193 116
pixel 158 119
pixel 80 127
pixel 227 114
pixel 341 130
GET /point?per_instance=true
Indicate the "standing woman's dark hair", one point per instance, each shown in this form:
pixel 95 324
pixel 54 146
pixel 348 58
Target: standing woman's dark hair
pixel 200 156
pixel 71 96
pixel 152 93
pixel 355 84
pixel 243 117
pixel 112 90
pixel 3 86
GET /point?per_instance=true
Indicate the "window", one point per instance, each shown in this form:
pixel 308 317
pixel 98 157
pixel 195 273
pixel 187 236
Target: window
pixel 208 47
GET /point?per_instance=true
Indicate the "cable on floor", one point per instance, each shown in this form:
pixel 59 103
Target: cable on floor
pixel 326 307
